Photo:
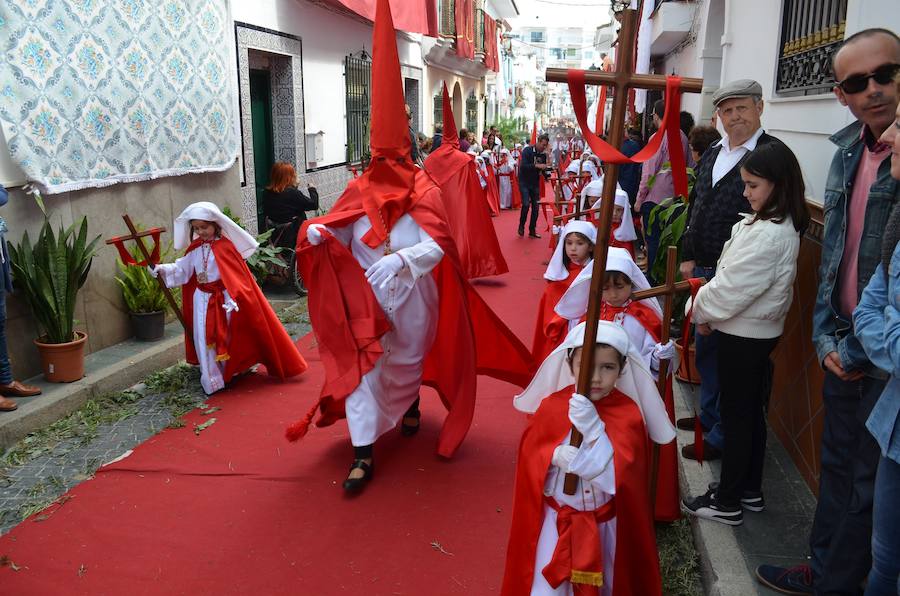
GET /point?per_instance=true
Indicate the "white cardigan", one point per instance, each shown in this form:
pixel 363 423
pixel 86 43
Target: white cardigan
pixel 752 290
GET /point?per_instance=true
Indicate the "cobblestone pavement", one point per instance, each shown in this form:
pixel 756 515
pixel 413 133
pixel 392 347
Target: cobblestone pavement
pixel 43 468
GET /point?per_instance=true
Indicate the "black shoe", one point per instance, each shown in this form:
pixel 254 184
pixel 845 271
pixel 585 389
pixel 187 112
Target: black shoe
pixel 533 235
pixel 688 424
pixel 792 580
pixel 710 453
pixel 707 507
pixel 521 232
pixel 355 485
pixel 750 500
pixel 408 430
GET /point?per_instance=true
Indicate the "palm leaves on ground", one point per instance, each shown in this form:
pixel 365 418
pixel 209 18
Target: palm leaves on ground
pixel 51 272
pixel 141 292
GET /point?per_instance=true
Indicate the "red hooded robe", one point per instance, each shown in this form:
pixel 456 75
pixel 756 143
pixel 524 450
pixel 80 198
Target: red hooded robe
pixel 470 224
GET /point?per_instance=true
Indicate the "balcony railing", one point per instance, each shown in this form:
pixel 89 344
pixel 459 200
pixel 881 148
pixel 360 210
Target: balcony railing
pixel 447 12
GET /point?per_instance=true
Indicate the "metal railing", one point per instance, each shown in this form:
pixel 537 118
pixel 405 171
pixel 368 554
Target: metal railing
pixel 358 83
pixel 447 17
pixel 811 32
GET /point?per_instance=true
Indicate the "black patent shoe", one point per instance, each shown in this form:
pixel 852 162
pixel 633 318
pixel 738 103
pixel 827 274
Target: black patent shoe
pixel 408 430
pixel 355 485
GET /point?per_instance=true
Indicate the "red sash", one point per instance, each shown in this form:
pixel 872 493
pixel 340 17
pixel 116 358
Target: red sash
pixel 216 319
pixel 578 557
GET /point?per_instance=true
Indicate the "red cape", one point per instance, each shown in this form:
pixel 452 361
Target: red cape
pixel 255 333
pixel 493 190
pixel 456 174
pixel 636 566
pixel 470 338
pixel 547 337
pixel 668 506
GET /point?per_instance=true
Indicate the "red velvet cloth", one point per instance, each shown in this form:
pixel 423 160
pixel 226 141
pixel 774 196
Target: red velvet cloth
pixel 636 565
pixel 414 16
pixel 255 335
pixel 464 19
pixel 470 338
pixel 548 336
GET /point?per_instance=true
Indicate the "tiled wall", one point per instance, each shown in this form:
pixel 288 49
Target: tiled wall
pixel 795 411
pixel 330 182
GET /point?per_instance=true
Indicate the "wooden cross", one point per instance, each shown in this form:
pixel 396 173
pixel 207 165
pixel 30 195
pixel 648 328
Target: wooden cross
pixel 622 79
pixel 138 238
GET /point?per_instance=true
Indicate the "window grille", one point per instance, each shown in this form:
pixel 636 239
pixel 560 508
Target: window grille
pixel 358 81
pixel 811 32
pixel 471 112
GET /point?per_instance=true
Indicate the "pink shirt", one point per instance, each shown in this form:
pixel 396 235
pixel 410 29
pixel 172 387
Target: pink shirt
pixel 856 217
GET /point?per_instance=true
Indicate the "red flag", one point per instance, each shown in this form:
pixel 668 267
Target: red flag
pixel 415 16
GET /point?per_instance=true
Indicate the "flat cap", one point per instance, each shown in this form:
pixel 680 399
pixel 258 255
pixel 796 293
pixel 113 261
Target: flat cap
pixel 739 88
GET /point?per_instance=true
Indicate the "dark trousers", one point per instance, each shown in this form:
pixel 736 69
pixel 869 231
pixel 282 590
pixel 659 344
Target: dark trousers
pixel 651 237
pixel 743 365
pixel 841 536
pixel 530 197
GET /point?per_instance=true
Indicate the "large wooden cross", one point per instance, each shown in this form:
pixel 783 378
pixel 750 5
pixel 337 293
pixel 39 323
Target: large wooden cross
pixel 622 79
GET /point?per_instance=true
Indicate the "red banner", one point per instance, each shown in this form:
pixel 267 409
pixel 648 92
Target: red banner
pixel 414 16
pixel 464 18
pixel 491 55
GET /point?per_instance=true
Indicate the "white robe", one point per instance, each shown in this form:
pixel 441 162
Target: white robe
pixel 640 339
pixel 588 497
pixel 177 274
pixel 506 184
pixel 410 302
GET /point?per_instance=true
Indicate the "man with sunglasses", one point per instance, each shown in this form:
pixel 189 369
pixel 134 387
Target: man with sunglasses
pixel 859 196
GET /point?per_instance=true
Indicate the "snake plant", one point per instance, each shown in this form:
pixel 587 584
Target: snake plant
pixel 141 292
pixel 50 272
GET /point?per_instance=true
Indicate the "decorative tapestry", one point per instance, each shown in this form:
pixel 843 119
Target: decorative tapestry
pixel 95 92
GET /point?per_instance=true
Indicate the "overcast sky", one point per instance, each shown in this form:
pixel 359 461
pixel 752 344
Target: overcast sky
pixel 561 13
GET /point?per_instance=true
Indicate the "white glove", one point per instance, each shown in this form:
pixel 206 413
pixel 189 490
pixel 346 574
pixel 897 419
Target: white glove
pixel 384 269
pixel 584 417
pixel 314 233
pixel 664 351
pixel 563 456
pixel 153 272
pixel 556 230
pixel 230 306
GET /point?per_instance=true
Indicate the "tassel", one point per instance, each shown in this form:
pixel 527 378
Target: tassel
pixel 298 430
pixel 698 439
pixel 590 578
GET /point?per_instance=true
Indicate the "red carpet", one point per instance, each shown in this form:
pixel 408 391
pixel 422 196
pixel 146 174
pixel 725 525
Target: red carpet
pixel 239 510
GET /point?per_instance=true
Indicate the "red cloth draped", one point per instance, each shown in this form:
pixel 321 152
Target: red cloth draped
pixel 670 127
pixel 547 335
pixel 493 190
pixel 126 257
pixel 415 16
pixel 465 203
pixel 579 550
pixel 491 53
pixel 600 120
pixel 636 564
pixel 470 338
pixel 255 335
pixel 216 319
pixel 464 19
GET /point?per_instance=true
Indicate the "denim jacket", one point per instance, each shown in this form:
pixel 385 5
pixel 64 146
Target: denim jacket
pixel 832 332
pixel 876 322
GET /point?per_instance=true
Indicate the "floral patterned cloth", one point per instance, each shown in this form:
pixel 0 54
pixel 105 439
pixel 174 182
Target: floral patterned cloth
pixel 95 92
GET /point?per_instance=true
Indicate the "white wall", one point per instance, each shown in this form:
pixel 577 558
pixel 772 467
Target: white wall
pixel 327 38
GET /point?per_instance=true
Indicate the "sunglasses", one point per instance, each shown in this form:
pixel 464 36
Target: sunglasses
pixel 883 75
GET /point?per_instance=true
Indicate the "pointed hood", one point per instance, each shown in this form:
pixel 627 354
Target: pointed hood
pixel 388 182
pixel 451 136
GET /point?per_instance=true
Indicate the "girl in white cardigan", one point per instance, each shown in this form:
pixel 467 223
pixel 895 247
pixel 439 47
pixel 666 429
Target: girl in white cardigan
pixel 746 304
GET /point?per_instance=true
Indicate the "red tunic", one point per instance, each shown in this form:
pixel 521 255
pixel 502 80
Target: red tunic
pixel 255 335
pixel 493 190
pixel 548 336
pixel 613 241
pixel 470 224
pixel 470 338
pixel 636 565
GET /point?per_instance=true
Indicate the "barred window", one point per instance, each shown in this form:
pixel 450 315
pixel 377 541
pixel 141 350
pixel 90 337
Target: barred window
pixel 811 32
pixel 358 82
pixel 471 112
pixel 447 16
pixel 438 109
pixel 479 27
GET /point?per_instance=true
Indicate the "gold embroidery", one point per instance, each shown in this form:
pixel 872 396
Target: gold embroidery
pixel 591 578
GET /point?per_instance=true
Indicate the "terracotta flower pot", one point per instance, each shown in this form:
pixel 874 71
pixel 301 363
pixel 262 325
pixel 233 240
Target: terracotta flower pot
pixel 148 326
pixel 682 373
pixel 63 363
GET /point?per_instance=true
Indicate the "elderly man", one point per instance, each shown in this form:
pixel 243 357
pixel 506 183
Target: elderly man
pixel 717 202
pixel 859 196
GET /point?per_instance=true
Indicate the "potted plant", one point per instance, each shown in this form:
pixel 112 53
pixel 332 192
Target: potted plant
pixel 49 273
pixel 144 298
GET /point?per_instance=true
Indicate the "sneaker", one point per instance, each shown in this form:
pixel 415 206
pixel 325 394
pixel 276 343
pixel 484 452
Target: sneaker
pixel 793 580
pixel 706 507
pixel 750 500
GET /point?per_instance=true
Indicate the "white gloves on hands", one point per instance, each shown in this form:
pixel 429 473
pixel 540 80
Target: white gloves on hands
pixel 385 269
pixel 153 271
pixel 556 230
pixel 315 235
pixel 563 456
pixel 584 417
pixel 663 352
pixel 230 306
